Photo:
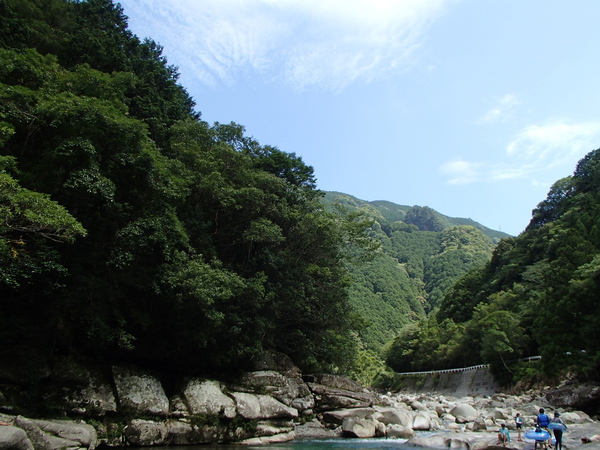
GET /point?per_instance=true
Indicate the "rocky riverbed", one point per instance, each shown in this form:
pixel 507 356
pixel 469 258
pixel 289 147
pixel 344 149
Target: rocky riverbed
pixel 129 406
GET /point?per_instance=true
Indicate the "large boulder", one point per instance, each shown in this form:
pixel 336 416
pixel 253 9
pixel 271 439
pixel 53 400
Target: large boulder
pixel 43 440
pixel 329 398
pixel 576 417
pixel 464 413
pixel 335 381
pixel 79 432
pixel 283 388
pixel 314 429
pixel 207 397
pixel 184 433
pixel 274 427
pixel 580 396
pixel 421 422
pixel 139 392
pixel 146 433
pixel 395 416
pixel 467 441
pixel 338 416
pixel 266 440
pixel 87 389
pixel 359 428
pixel 13 438
pixel 395 431
pixel 279 362
pixel 258 406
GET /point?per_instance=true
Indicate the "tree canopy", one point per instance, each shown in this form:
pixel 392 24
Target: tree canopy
pixel 134 230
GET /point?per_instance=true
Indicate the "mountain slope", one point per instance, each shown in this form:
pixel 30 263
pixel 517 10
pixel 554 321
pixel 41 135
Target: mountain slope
pixel 422 254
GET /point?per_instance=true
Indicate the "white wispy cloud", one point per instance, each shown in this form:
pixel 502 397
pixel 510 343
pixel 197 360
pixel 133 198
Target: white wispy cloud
pixel 329 44
pixel 501 110
pixel 535 149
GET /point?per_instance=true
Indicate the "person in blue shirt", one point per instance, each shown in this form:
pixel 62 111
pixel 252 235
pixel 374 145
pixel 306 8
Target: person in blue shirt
pixel 503 435
pixel 542 422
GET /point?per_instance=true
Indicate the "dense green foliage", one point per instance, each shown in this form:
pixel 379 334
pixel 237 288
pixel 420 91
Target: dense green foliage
pixel 422 254
pixel 537 295
pixel 132 229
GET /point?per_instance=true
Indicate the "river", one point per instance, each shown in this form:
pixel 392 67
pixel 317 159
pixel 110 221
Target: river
pixel 305 444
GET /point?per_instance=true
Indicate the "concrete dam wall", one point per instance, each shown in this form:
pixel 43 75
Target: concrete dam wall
pixel 472 381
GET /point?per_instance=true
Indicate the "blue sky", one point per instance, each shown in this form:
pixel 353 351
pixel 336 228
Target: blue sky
pixel 471 107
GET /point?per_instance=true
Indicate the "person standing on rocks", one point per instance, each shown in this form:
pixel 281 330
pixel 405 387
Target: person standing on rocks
pixel 503 435
pixel 543 421
pixel 558 426
pixel 519 425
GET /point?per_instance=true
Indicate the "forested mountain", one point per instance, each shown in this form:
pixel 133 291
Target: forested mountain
pixel 422 254
pixel 132 229
pixel 539 294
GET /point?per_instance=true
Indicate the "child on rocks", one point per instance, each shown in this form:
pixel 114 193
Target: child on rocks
pixel 503 435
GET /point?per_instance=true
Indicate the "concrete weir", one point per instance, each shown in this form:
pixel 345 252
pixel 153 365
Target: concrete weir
pixel 472 381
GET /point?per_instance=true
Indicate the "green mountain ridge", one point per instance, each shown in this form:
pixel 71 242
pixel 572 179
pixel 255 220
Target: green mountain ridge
pixel 393 212
pixel 422 254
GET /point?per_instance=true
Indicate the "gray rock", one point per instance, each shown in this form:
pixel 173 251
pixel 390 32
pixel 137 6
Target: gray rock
pixel 71 431
pixel 395 416
pixel 304 403
pixel 257 406
pixel 272 360
pixel 273 427
pixel 399 432
pixel 38 438
pixel 330 398
pixel 359 428
pixel 13 438
pixel 421 422
pixel 265 440
pixel 465 411
pixel 575 395
pixel 183 433
pixel 316 430
pixel 335 381
pixel 140 392
pixel 576 417
pixel 337 417
pixel 284 389
pixel 146 433
pixel 207 397
pixel 89 391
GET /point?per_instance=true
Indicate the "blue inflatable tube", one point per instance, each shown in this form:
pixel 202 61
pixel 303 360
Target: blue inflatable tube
pixel 556 426
pixel 538 436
